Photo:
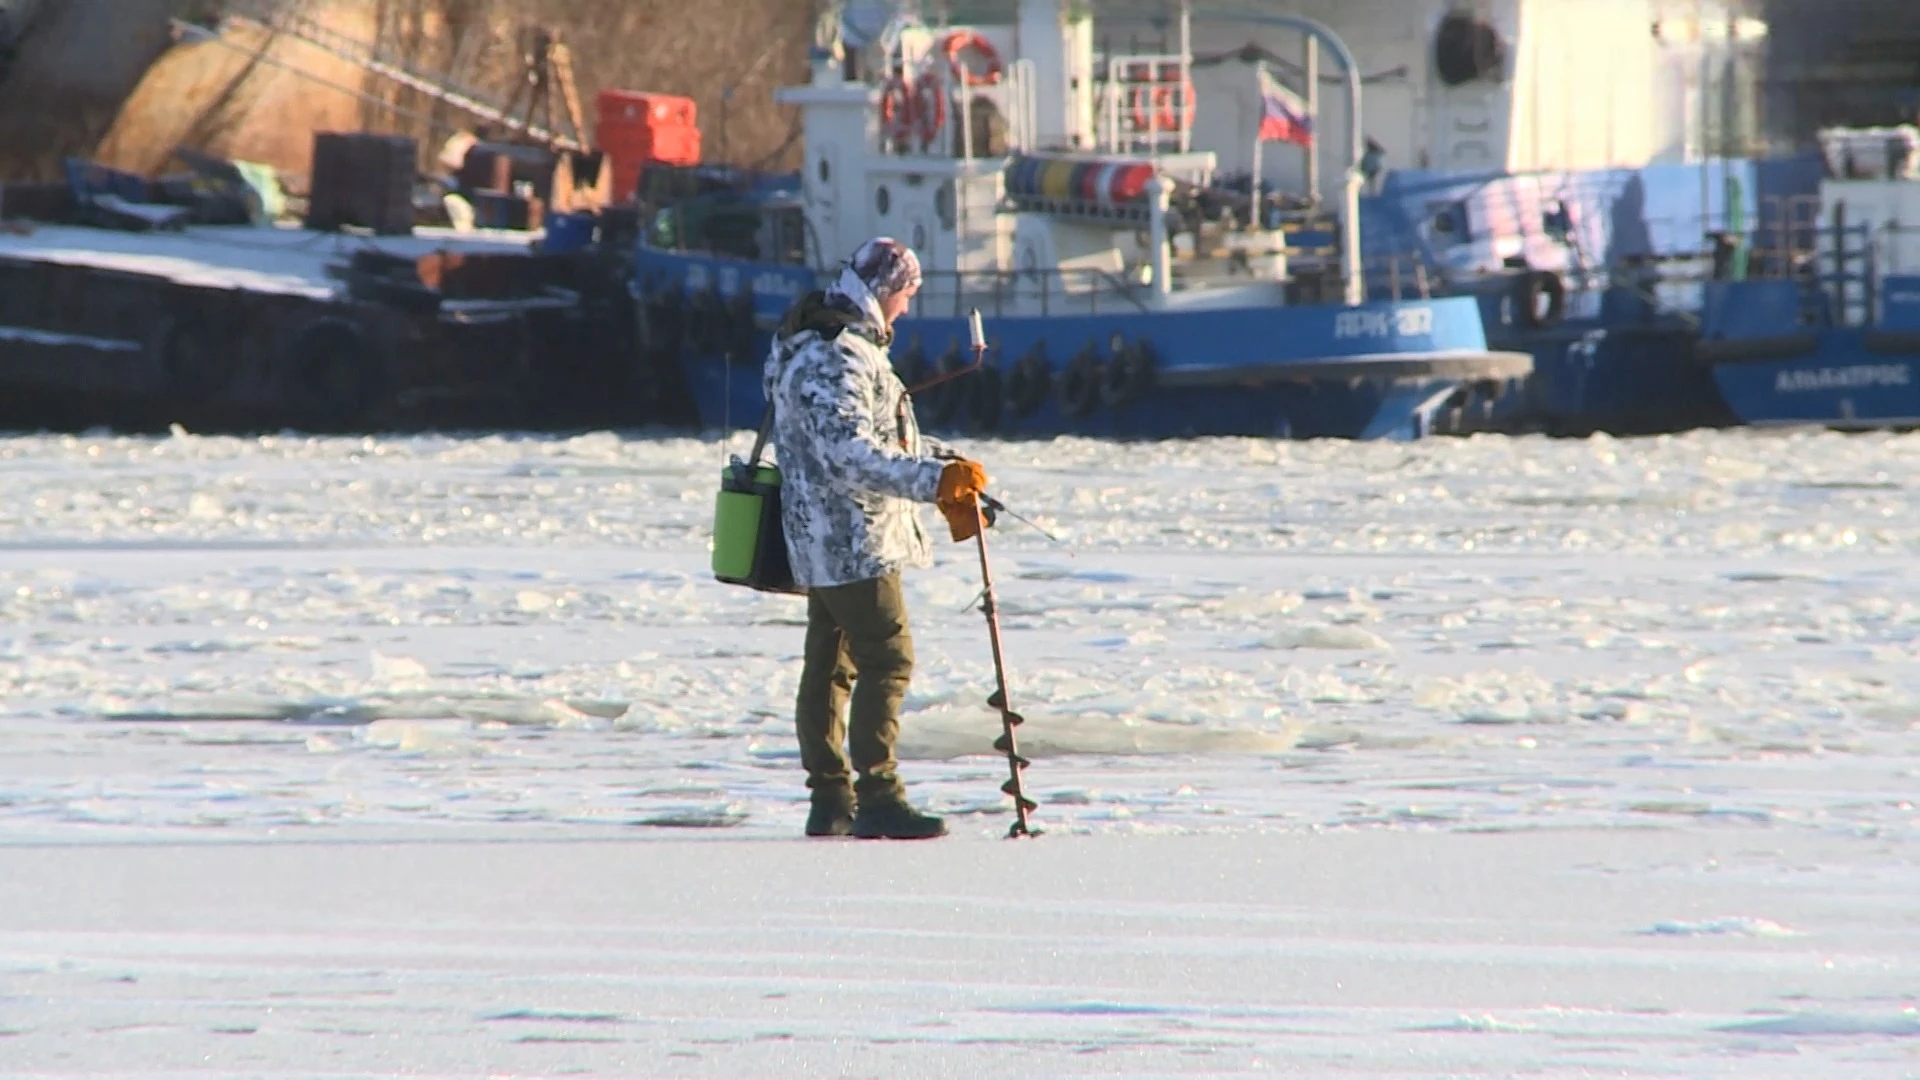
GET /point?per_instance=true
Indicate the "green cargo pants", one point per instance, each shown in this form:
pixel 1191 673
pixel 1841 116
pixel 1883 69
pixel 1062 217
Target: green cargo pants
pixel 858 646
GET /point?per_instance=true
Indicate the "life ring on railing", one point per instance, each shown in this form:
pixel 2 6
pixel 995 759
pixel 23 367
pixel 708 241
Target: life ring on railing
pixel 897 109
pixel 929 107
pixel 1080 383
pixel 1539 299
pixel 1129 376
pixel 1029 383
pixel 707 319
pixel 960 41
pixel 1155 107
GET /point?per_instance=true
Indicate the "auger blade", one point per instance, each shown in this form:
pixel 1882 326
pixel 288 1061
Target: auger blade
pixel 996 700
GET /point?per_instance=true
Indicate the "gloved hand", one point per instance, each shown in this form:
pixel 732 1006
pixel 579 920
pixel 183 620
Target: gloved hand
pixel 961 484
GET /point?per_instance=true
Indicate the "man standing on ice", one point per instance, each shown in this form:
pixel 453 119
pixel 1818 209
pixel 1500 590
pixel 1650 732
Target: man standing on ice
pixel 853 464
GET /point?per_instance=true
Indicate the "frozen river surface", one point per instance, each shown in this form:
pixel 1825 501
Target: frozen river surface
pixel 1464 757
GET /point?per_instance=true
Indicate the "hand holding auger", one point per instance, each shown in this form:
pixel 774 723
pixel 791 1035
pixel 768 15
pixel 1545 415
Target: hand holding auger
pixel 963 494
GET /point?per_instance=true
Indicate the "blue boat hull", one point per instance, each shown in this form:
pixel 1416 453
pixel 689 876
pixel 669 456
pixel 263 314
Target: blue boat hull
pixel 1850 377
pixel 1623 370
pixel 1380 370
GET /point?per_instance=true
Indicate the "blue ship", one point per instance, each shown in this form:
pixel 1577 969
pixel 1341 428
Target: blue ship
pixel 1600 275
pixel 1824 328
pixel 1106 313
pixel 1578 176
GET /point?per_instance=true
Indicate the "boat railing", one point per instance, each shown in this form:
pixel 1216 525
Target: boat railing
pixel 1841 266
pixel 1146 103
pixel 1080 291
pixel 1399 276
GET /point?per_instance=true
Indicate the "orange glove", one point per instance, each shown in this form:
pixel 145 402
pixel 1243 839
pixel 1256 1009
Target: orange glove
pixel 961 484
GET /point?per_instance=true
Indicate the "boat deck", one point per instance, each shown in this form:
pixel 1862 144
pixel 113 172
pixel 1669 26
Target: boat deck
pixel 272 260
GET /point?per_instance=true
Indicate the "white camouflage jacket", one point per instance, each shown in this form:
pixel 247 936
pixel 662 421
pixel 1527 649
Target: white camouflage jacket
pixel 852 460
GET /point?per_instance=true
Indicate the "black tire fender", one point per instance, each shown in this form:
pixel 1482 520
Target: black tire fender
pixel 950 394
pixel 985 399
pixel 335 371
pixel 1080 383
pixel 1030 382
pixel 1129 376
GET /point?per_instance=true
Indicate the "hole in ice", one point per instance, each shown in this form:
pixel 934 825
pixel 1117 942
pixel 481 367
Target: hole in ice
pixel 567 1015
pixel 1905 1025
pixel 1066 573
pixel 1474 1023
pixel 1733 924
pixel 721 817
pixel 1082 1008
pixel 1315 636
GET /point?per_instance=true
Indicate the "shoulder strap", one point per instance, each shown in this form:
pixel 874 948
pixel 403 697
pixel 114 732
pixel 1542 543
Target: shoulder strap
pixel 760 442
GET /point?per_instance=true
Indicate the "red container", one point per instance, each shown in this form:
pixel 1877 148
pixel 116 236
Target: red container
pixel 631 151
pixel 635 108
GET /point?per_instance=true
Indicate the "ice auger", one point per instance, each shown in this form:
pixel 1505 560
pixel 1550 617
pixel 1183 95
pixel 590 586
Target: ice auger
pixel 1006 743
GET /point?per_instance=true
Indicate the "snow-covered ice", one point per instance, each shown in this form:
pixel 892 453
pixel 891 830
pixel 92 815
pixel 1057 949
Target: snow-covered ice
pixel 438 756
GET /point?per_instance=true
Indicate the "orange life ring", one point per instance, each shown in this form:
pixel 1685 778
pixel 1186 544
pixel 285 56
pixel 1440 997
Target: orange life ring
pixel 960 41
pixel 929 113
pixel 897 109
pixel 1153 107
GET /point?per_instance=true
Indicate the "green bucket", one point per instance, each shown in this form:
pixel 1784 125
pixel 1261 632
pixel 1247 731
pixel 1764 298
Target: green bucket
pixel 749 544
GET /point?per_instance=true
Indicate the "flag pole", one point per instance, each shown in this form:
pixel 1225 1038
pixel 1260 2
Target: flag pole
pixel 1313 110
pixel 1260 119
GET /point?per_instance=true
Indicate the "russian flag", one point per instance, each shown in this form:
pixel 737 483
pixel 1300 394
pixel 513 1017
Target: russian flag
pixel 1283 116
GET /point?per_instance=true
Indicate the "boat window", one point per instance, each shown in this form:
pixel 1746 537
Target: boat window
pixel 943 204
pixel 1448 222
pixel 790 236
pixel 1557 221
pixel 881 200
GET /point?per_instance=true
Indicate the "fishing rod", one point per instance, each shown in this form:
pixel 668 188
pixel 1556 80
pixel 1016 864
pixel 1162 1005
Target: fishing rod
pixel 991 507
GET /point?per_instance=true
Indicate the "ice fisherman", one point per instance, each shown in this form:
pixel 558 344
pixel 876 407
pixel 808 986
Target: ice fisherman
pixel 853 466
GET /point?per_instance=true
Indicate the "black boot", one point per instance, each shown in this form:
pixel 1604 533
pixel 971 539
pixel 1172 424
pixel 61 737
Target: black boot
pixel 832 813
pixel 893 819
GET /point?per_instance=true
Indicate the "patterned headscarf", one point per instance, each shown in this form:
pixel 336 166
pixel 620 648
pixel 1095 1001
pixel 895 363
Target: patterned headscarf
pixel 886 265
pixel 881 268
